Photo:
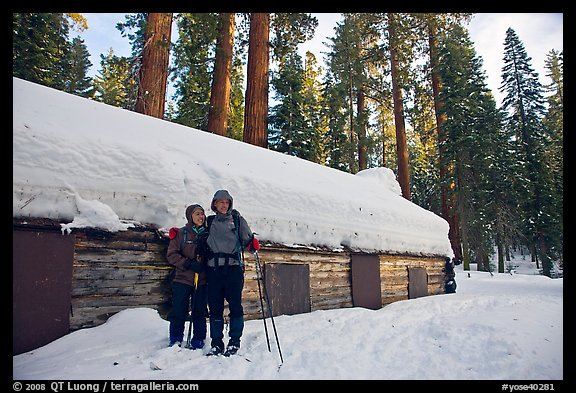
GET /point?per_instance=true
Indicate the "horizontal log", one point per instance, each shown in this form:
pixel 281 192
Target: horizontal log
pixel 123 288
pixel 117 300
pixel 119 256
pixel 134 273
pixel 330 304
pixel 391 299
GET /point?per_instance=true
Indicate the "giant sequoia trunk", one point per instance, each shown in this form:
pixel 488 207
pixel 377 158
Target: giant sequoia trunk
pixel 256 107
pixel 401 146
pixel 220 94
pixel 154 68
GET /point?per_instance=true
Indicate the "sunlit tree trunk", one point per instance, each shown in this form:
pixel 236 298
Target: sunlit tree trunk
pixel 153 74
pixel 256 108
pixel 220 94
pixel 401 146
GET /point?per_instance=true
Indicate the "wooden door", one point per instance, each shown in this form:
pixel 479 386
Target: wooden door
pixel 417 282
pixel 366 281
pixel 288 286
pixel 41 288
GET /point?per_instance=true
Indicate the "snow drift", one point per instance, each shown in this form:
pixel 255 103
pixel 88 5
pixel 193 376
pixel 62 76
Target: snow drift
pixel 73 155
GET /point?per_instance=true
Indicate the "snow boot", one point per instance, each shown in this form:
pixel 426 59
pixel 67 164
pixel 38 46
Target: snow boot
pixel 231 350
pixel 196 344
pixel 175 343
pixel 215 351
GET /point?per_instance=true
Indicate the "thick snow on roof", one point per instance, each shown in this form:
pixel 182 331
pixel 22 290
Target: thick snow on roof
pixel 96 165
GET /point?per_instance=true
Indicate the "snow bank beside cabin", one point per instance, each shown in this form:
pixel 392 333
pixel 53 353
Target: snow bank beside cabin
pixel 69 150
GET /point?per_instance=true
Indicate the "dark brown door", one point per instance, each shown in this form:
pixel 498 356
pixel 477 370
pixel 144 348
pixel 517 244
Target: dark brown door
pixel 288 287
pixel 41 288
pixel 366 281
pixel 417 282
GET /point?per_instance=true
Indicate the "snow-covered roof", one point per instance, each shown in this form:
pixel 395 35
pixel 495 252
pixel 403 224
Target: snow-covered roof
pixel 96 165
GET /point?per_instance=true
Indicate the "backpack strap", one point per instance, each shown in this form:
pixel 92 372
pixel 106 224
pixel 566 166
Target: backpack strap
pixel 185 237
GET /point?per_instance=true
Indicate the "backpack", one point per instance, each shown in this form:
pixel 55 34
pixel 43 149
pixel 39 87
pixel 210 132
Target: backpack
pixel 236 219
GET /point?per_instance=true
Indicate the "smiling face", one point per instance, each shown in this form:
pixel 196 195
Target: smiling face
pixel 222 205
pixel 198 217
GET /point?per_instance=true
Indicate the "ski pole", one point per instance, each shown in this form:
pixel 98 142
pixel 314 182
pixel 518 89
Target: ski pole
pixel 269 306
pixel 192 303
pixel 258 278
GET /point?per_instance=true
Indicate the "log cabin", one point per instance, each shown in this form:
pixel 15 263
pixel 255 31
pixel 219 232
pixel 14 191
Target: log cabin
pixel 74 275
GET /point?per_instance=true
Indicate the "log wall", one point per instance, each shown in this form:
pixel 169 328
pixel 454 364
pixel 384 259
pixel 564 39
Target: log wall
pixel 127 269
pixel 114 271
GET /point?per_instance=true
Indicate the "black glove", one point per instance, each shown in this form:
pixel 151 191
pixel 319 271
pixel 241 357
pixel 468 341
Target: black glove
pixel 202 245
pixel 195 266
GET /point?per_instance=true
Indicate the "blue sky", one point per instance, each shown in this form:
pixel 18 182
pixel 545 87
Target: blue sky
pixel 540 32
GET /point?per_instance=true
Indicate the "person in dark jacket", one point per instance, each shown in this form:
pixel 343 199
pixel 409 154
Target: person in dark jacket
pixel 229 234
pixel 189 282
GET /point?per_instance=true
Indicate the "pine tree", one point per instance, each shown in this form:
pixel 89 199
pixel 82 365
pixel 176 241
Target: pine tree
pixel 192 67
pixel 336 145
pixel 134 28
pixel 40 48
pixel 356 66
pixel 79 62
pixel 113 83
pixel 235 123
pixel 476 147
pixel 395 40
pixel 288 132
pixel 292 131
pixel 524 107
pixel 554 123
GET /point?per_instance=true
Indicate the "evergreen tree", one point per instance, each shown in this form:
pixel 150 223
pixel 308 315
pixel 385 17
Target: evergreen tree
pixel 356 67
pixel 312 106
pixel 193 57
pixel 40 48
pixel 79 60
pixel 287 118
pixel 235 124
pixel 114 84
pixel 293 130
pixel 134 28
pixel 336 145
pixel 475 145
pixel 524 108
pixel 554 123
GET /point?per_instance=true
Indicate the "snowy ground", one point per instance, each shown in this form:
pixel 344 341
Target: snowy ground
pixel 501 327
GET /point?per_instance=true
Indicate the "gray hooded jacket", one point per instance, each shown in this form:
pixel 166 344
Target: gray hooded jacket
pixel 225 244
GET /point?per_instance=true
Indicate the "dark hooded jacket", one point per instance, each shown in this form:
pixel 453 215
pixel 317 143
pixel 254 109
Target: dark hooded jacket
pixel 224 241
pixel 182 252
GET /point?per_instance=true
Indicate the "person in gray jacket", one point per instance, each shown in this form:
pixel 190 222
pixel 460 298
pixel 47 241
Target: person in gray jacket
pixel 228 235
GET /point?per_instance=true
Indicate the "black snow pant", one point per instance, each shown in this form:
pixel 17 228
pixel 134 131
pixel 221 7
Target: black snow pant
pixel 182 295
pixel 225 283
